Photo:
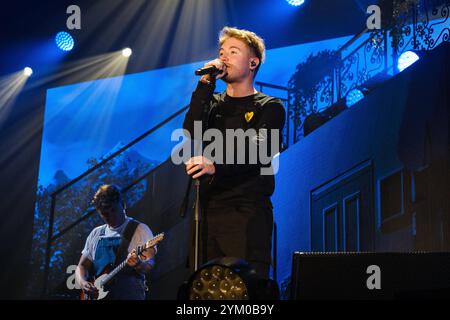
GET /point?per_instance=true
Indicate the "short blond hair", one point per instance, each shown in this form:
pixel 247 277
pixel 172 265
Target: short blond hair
pixel 254 42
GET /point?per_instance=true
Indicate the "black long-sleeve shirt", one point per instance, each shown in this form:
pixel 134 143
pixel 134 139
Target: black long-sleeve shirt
pixel 236 184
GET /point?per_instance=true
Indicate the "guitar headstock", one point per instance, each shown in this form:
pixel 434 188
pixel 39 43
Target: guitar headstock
pixel 154 241
pixel 142 251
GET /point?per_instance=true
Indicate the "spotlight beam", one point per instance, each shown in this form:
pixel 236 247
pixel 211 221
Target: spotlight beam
pixel 10 87
pixel 102 66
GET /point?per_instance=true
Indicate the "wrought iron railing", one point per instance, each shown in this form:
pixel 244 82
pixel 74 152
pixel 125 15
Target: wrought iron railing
pixel 363 63
pixel 286 134
pixel 416 25
pixel 419 24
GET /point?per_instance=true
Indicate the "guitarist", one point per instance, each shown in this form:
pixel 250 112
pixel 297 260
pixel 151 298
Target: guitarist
pixel 110 244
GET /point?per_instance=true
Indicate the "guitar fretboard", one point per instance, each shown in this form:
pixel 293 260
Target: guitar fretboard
pixel 114 272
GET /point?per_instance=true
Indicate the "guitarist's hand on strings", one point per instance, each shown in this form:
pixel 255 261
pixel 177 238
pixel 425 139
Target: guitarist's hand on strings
pixel 88 287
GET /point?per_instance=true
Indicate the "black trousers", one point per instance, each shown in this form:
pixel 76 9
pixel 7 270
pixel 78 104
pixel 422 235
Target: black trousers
pixel 242 231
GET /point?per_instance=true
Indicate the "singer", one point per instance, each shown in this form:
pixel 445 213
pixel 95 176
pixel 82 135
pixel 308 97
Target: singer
pixel 236 206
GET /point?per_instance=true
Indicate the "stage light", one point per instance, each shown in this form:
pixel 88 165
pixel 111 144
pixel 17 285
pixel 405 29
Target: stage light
pixel 354 96
pixel 127 52
pixel 228 278
pixel 406 59
pixel 295 3
pixel 64 41
pixel 27 71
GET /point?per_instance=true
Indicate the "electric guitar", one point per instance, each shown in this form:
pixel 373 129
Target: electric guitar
pixel 108 275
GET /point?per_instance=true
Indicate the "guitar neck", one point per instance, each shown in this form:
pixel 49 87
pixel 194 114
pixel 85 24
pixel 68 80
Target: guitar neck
pixel 114 272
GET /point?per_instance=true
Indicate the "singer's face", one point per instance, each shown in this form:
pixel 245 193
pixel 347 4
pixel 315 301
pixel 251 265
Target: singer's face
pixel 237 56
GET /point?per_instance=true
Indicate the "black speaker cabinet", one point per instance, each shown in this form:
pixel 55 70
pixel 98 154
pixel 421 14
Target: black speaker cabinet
pixel 370 275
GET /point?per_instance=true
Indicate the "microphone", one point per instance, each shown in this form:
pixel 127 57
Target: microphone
pixel 212 70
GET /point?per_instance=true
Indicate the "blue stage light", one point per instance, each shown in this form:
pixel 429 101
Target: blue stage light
pixel 295 3
pixel 406 59
pixel 64 41
pixel 354 96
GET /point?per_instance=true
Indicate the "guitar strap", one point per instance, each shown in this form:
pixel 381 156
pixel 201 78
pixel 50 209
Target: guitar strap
pixel 127 235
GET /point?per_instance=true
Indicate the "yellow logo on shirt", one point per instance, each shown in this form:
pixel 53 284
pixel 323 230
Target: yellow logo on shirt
pixel 249 116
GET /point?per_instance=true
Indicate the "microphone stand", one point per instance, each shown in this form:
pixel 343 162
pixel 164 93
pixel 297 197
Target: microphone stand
pixel 197 202
pixel 197 223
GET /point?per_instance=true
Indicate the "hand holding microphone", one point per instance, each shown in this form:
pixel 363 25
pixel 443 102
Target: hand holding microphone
pixel 215 68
